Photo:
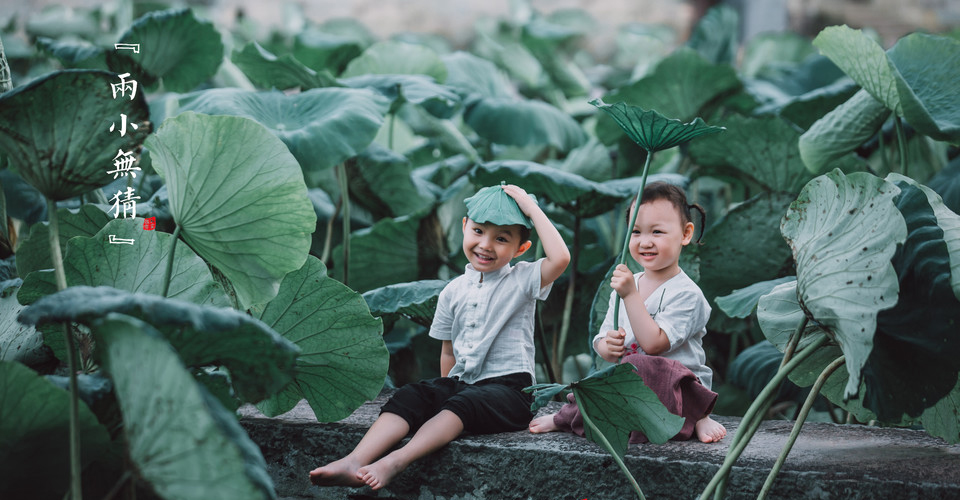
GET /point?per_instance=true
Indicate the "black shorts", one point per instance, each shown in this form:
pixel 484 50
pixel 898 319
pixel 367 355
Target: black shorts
pixel 487 406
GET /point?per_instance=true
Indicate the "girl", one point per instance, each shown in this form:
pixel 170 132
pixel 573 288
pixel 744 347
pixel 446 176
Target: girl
pixel 663 316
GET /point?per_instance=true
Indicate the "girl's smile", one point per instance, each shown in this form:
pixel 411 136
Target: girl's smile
pixel 658 237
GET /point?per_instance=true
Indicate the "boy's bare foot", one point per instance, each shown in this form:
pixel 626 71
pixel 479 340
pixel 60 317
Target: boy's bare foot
pixel 709 430
pixel 380 473
pixel 543 423
pixel 341 472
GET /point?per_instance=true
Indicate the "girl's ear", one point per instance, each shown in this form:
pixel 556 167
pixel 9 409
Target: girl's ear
pixel 687 232
pixel 523 248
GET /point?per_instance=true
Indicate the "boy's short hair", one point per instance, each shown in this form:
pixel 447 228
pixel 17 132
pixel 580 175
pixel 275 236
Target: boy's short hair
pixel 525 233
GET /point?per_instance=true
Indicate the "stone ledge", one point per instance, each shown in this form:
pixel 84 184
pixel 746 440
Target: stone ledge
pixel 828 461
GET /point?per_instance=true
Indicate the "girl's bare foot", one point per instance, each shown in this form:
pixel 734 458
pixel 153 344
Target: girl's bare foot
pixel 709 430
pixel 342 472
pixel 380 473
pixel 543 423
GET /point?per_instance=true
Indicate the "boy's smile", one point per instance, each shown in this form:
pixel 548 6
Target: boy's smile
pixel 489 247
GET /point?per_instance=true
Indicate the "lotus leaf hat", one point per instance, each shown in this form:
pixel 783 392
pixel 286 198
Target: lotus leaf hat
pixel 493 205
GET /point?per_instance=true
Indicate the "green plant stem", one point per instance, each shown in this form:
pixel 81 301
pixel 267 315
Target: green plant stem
pixel 393 119
pixel 902 144
pixel 801 418
pixel 345 197
pixel 544 350
pixel 328 239
pixel 6 82
pixel 626 241
pixel 883 151
pixel 168 271
pixel 606 444
pixel 571 286
pixel 754 413
pixel 76 489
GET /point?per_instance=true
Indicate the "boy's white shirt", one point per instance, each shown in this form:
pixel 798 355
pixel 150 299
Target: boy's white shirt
pixel 680 309
pixel 490 323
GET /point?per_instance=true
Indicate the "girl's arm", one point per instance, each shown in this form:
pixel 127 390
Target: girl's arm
pixel 446 358
pixel 649 336
pixel 554 248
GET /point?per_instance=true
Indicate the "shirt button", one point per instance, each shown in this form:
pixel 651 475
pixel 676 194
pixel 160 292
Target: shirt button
pixel 471 325
pixel 473 305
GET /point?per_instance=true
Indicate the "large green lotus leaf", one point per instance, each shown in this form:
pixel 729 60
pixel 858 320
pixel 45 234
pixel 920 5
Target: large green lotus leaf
pixel 574 193
pixel 565 74
pixel 34 432
pixel 472 75
pixel 742 302
pixel 23 201
pixel 863 59
pixel 397 58
pixel 343 360
pixel 773 48
pixel 927 73
pixel 843 231
pixel 617 401
pixel 239 197
pixel 321 50
pixel 321 127
pixel 753 369
pixel 513 57
pixel 373 264
pixel 416 300
pixel 34 252
pixel 55 130
pixel 650 129
pixel 591 161
pixel 439 100
pixel 717 35
pixel 763 148
pixel 916 355
pixel 95 261
pixel 679 87
pixel 18 342
pixel 175 47
pixel 516 122
pixel 259 360
pixel 946 183
pixel 726 264
pixel 176 432
pixel 841 131
pixel 948 222
pixel 74 54
pixel 941 419
pixel 804 110
pixel 267 70
pixel 380 180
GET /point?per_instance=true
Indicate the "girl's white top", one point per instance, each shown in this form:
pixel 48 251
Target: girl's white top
pixel 680 309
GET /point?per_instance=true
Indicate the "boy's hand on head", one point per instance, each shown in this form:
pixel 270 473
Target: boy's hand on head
pixel 524 201
pixel 622 281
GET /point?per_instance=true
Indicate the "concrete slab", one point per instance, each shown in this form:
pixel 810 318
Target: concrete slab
pixel 828 461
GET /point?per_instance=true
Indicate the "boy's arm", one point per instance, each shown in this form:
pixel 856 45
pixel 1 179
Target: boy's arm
pixel 446 358
pixel 554 248
pixel 649 336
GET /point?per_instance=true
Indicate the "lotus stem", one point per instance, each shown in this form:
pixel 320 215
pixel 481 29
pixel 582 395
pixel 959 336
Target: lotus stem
pixel 169 268
pixel 328 239
pixel 76 489
pixel 606 444
pixel 902 143
pixel 544 351
pixel 801 418
pixel 345 197
pixel 883 151
pixel 568 300
pixel 626 241
pixel 747 426
pixel 393 119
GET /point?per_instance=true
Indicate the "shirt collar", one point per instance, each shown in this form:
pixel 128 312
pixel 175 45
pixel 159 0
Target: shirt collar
pixel 474 276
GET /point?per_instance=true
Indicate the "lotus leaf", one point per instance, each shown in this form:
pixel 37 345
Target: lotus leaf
pixel 863 59
pixel 927 73
pixel 383 265
pixel 397 58
pixel 321 127
pixel 260 361
pixel 518 122
pixel 763 148
pixel 176 432
pixel 843 231
pixel 343 360
pixel 267 70
pixel 439 100
pixel 742 302
pixel 321 50
pixel 717 35
pixel 34 423
pixel 650 129
pixel 65 154
pixel 239 197
pixel 493 205
pixel 175 47
pixel 841 131
pixel 34 252
pixel 474 76
pixel 416 300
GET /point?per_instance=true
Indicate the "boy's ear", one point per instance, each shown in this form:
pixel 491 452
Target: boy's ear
pixel 523 248
pixel 464 223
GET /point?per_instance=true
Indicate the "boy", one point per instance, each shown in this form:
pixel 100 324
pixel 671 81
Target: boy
pixel 485 320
